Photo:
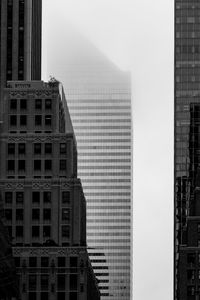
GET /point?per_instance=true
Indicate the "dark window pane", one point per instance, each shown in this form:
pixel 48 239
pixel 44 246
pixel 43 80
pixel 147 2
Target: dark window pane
pixel 35 231
pixel 37 148
pixel 13 103
pixel 73 282
pixel 65 214
pixel 32 262
pixel 48 165
pixel 44 295
pixel 11 165
pixel 44 262
pixel 19 231
pixel 47 214
pixel 44 281
pixel 46 231
pixel 35 214
pixel 61 282
pixel 47 197
pixel 48 148
pixel 38 120
pixel 61 262
pixel 32 282
pixel 21 165
pixel 19 197
pixel 22 148
pixel 23 120
pixel 38 104
pixel 63 148
pixel 8 197
pixel 61 296
pixel 65 231
pixel 19 214
pixel 17 261
pixel 66 197
pixel 32 296
pixel 48 120
pixel 48 104
pixel 36 197
pixel 8 214
pixel 37 165
pixel 13 120
pixel 23 104
pixel 11 148
pixel 63 164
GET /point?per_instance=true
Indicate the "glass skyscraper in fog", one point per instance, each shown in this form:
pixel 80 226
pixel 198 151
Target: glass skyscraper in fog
pixel 99 100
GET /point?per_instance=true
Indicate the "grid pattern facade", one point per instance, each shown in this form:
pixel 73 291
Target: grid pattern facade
pixel 187 149
pixel 99 101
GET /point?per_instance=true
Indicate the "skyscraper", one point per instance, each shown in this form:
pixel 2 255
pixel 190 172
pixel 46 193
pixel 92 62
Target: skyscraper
pixel 42 197
pixel 99 100
pixel 187 151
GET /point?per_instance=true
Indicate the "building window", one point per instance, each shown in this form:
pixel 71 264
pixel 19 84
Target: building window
pixel 44 281
pixel 21 165
pixel 11 148
pixel 17 261
pixel 63 165
pixel 48 120
pixel 47 165
pixel 32 296
pixel 61 282
pixel 63 148
pixel 190 291
pixel 47 214
pixel 66 197
pixel 35 214
pixel 13 120
pixel 47 197
pixel 73 280
pixel 37 148
pixel 48 104
pixel 191 258
pixel 48 148
pixel 44 262
pixel 66 214
pixel 47 231
pixel 23 104
pixel 65 231
pixel 13 104
pixel 19 214
pixel 9 231
pixel 11 165
pixel 19 197
pixel 61 262
pixel 61 296
pixel 36 197
pixel 8 197
pixel 32 282
pixel 19 231
pixel 44 295
pixel 23 120
pixel 32 262
pixel 37 165
pixel 82 288
pixel 35 231
pixel 22 148
pixel 38 120
pixel 8 214
pixel 38 104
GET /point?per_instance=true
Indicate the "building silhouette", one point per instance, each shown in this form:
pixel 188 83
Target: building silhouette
pixel 99 99
pixel 187 151
pixel 43 199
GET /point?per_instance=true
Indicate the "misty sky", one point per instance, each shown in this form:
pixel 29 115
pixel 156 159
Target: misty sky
pixel 137 35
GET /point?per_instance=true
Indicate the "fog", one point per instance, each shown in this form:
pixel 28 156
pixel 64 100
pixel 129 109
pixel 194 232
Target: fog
pixel 135 35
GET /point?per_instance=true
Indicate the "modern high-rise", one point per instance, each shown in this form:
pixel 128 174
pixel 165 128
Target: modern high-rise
pixel 43 200
pixel 99 100
pixel 187 151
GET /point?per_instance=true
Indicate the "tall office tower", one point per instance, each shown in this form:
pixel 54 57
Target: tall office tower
pixel 20 36
pixel 99 99
pixel 187 151
pixel 43 198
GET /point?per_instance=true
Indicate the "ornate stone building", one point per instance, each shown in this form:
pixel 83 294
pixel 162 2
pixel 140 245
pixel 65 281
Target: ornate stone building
pixel 43 198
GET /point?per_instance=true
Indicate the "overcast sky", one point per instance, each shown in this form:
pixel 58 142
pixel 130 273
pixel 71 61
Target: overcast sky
pixel 137 35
